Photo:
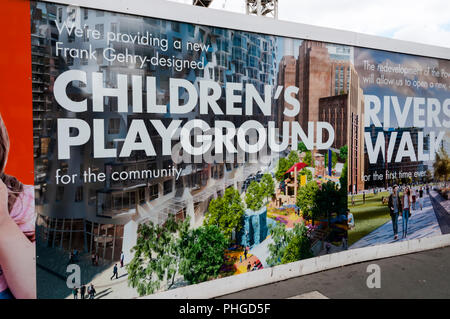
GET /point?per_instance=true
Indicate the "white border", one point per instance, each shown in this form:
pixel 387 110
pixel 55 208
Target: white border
pixel 228 285
pixel 169 10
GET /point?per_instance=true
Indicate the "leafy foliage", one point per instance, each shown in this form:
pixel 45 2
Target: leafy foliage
pixel 279 235
pixel 308 159
pixel 268 186
pixel 156 255
pixel 288 245
pixel 254 196
pixel 282 167
pixel 284 164
pixel 329 200
pixel 441 165
pixel 202 253
pixel 307 200
pixel 343 153
pixel 343 179
pixel 226 212
pixel 292 158
pixel 299 246
pixel 162 252
pixel 306 172
pixel 302 147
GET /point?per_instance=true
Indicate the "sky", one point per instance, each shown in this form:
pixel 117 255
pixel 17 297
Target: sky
pixel 425 22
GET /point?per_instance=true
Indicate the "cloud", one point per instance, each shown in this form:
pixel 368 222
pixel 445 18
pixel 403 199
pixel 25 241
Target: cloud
pixel 430 34
pixel 419 21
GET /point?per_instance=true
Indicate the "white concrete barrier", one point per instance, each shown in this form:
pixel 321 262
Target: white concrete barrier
pixel 223 286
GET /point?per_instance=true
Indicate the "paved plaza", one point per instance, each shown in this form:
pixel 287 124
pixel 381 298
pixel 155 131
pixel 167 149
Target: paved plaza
pixel 422 223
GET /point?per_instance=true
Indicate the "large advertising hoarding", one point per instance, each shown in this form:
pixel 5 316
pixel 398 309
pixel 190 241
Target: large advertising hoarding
pixel 168 154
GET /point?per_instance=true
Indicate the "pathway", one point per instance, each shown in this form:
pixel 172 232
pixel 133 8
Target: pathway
pixel 421 224
pixel 262 250
pixel 442 209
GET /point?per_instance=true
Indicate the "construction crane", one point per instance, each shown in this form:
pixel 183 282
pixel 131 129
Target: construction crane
pixel 256 7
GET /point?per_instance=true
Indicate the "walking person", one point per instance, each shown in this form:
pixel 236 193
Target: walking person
pixel 75 292
pixel 71 259
pixel 406 210
pixel 421 198
pixel 328 247
pixel 395 207
pixel 122 258
pixel 115 273
pixel 413 198
pixel 82 291
pixel 245 253
pixel 249 266
pixel 344 243
pixel 91 291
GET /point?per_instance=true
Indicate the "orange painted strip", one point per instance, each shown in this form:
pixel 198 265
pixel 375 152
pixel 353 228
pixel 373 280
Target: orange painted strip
pixel 15 87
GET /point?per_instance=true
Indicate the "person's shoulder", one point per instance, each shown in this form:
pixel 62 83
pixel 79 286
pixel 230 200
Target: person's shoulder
pixel 23 212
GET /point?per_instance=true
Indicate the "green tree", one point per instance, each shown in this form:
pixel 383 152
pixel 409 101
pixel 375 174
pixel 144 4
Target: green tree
pixel 428 176
pixel 226 212
pixel 307 200
pixel 156 255
pixel 284 164
pixel 298 247
pixel 302 147
pixel 292 158
pixel 280 237
pixel 308 159
pixel 306 172
pixel 202 253
pixel 441 166
pixel 268 186
pixel 288 245
pixel 282 167
pixel 343 153
pixel 254 196
pixel 343 179
pixel 329 200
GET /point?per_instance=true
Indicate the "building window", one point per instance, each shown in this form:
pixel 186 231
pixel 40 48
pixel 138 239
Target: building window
pixel 92 196
pixel 114 27
pixel 175 26
pixel 153 192
pixel 114 126
pixel 99 53
pixel 100 28
pixel 59 193
pixel 79 194
pixel 85 13
pixel 60 15
pixel 167 187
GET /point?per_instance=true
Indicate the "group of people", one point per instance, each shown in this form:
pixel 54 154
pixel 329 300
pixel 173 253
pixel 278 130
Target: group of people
pixel 82 290
pixel 402 205
pixel 250 268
